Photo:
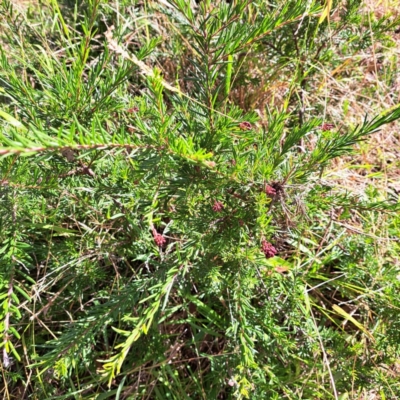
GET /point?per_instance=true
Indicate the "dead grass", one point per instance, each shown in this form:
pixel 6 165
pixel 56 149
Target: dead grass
pixel 23 5
pixel 377 161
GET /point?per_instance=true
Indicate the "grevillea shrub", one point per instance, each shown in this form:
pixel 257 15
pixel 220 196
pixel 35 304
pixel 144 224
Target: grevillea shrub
pixel 166 227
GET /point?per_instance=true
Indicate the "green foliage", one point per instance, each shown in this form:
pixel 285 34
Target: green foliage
pixel 138 193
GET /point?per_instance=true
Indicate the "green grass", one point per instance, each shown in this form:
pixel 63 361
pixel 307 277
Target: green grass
pixel 192 203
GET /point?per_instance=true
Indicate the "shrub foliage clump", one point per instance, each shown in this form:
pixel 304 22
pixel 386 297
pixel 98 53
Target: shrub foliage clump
pixel 167 228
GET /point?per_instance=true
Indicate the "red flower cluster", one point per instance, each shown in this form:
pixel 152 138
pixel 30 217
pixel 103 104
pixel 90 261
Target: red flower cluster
pixel 159 239
pixel 326 127
pixel 270 191
pixel 218 206
pixel 245 126
pixel 268 249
